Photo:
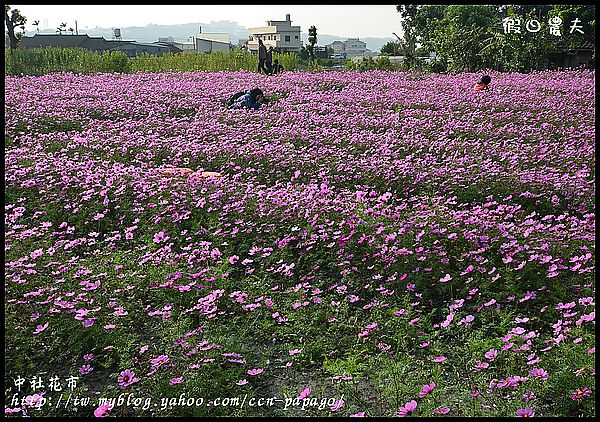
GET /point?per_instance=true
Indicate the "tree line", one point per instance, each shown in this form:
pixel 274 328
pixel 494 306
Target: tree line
pixel 516 38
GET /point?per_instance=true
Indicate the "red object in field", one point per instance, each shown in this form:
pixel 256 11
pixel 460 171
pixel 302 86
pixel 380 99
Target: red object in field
pixel 479 87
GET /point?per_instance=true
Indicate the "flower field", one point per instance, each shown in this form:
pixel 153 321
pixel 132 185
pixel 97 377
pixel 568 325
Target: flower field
pixel 378 244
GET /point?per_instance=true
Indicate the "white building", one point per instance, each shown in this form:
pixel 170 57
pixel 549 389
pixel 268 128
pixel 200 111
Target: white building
pixel 352 47
pixel 209 42
pixel 279 34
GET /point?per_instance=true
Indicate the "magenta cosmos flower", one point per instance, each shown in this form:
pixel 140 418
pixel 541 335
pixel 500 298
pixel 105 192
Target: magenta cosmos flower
pixel 406 409
pixel 538 373
pixel 491 354
pixel 127 378
pixel 580 393
pixel 427 388
pixel 161 360
pixel 525 413
pixel 85 369
pixel 337 405
pixel 304 393
pixel 255 371
pixel 103 410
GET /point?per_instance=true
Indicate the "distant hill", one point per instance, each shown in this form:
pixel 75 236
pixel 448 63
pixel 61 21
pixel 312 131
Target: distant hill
pixel 183 32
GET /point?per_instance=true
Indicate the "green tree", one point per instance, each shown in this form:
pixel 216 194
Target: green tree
pixel 390 48
pixel 312 40
pixel 581 16
pixel 420 21
pixel 518 52
pixel 472 37
pixel 15 20
pixel 407 47
pixel 459 36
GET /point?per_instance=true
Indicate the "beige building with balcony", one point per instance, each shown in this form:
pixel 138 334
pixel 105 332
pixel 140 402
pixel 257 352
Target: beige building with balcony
pixel 352 47
pixel 279 34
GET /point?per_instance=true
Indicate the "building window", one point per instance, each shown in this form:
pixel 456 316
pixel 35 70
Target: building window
pixel 296 37
pixel 287 38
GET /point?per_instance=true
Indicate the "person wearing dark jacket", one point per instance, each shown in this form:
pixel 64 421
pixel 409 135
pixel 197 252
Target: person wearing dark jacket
pixel 277 67
pixel 262 56
pixel 250 100
pixel 269 60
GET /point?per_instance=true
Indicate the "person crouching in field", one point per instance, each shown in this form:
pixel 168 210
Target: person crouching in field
pixel 277 67
pixel 249 100
pixel 482 84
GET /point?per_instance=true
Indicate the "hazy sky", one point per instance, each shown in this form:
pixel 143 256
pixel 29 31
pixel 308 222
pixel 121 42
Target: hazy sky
pixel 349 21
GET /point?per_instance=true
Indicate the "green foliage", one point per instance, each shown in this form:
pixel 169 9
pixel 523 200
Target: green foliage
pixel 368 63
pixel 15 20
pixel 77 60
pixel 471 37
pixel 57 59
pixel 390 48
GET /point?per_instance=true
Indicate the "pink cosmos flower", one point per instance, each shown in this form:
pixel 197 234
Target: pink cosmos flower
pixel 539 373
pixel 525 413
pixel 177 380
pixel 88 322
pixel 294 352
pixel 255 371
pixel 161 236
pixel 242 382
pixel 233 259
pixel 304 393
pixel 34 400
pixel 358 415
pixel 481 365
pixel 446 278
pixel 103 410
pixel 159 361
pixel 491 354
pixel 88 357
pixel 427 388
pixel 406 409
pixel 442 410
pixel 126 378
pixel 580 393
pixel 439 359
pixel 40 328
pixel 448 320
pixel 85 369
pixel 337 405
